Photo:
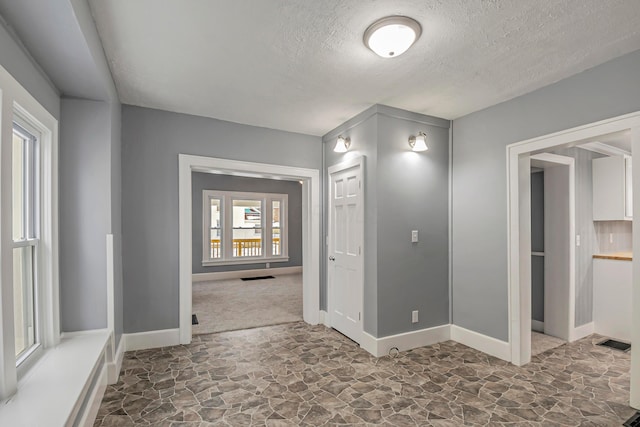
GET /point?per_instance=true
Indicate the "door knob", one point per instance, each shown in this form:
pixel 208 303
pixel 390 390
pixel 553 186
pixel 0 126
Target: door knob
pixel 332 258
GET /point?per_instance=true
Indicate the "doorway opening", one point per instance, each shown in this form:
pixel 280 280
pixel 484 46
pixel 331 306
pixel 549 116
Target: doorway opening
pixel 310 227
pixel 552 250
pixel 519 235
pixel 247 252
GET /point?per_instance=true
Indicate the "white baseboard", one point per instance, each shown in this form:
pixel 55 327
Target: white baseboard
pixel 323 318
pixel 405 341
pixel 226 275
pixel 151 339
pixel 113 367
pixel 582 331
pixel 537 326
pixel 483 343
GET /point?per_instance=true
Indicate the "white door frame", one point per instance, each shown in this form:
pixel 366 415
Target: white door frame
pixel 311 212
pixel 347 164
pixel 518 234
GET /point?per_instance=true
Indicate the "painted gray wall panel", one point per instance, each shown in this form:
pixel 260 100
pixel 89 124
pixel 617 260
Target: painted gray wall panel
pixel 537 288
pixel 206 181
pixel 85 144
pixel 403 191
pixel 21 67
pixel 537 245
pixel 116 214
pixel 537 212
pixel 151 142
pixel 585 228
pixel 479 178
pixel 363 142
pixel 413 194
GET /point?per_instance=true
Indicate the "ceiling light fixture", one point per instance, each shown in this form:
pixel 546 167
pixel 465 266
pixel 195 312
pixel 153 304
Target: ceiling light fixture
pixel 342 144
pixel 419 142
pixel 392 36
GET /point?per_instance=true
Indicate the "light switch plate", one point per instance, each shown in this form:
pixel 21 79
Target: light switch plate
pixel 414 236
pixel 414 316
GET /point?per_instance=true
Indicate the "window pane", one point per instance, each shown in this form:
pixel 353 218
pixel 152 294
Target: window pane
pixel 275 228
pixel 23 299
pixel 18 186
pixel 215 231
pixel 247 228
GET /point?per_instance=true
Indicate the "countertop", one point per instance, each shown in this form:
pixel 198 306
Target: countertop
pixel 620 256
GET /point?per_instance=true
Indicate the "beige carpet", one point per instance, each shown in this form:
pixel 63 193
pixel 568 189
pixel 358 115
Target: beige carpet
pixel 227 305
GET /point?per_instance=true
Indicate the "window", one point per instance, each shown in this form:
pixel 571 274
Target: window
pixel 244 228
pixel 25 219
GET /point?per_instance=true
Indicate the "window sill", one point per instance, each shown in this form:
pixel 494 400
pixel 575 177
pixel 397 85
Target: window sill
pixel 54 389
pixel 247 260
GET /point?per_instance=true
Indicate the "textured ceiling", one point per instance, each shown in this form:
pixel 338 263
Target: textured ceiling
pixel 301 65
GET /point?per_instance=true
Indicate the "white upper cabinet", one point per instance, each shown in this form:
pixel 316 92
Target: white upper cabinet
pixel 612 194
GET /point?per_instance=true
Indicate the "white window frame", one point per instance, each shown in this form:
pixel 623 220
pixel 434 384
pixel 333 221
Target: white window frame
pixel 226 225
pixel 31 220
pixel 17 105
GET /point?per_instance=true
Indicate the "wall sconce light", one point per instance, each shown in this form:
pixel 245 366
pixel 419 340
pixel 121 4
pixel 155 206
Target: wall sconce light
pixel 419 142
pixel 342 145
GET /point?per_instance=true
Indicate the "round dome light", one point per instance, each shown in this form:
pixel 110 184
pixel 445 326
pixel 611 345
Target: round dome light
pixel 392 36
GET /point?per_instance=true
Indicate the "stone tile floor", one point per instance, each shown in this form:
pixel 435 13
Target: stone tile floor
pixel 297 374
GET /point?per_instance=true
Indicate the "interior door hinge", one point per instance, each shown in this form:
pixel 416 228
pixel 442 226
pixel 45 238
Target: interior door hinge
pixel 359 316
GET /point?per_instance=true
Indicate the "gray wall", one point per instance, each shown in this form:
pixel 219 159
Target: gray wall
pixel 62 38
pixel 14 59
pixel 479 178
pixel 85 212
pixel 585 228
pixel 363 131
pixel 152 140
pixel 537 245
pixel 404 191
pixel 206 181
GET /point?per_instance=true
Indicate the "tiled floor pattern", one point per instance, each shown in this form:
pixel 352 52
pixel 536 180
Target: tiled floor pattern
pixel 297 374
pixel 541 343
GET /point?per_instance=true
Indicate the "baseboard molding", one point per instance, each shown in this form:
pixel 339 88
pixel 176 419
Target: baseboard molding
pixel 582 331
pixel 405 341
pixel 113 368
pixel 226 275
pixel 151 339
pixel 483 343
pixel 537 326
pixel 323 318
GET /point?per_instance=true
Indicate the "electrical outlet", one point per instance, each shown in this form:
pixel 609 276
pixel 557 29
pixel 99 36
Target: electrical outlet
pixel 577 240
pixel 414 236
pixel 610 237
pixel 414 316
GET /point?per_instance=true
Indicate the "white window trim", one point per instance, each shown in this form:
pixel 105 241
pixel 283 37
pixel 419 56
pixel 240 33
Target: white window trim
pixel 226 198
pixel 17 101
pixel 32 239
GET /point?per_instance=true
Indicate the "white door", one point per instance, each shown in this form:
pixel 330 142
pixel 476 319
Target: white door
pixel 345 251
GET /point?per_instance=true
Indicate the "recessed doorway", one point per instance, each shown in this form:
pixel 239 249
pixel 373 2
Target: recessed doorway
pixel 519 233
pixel 310 227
